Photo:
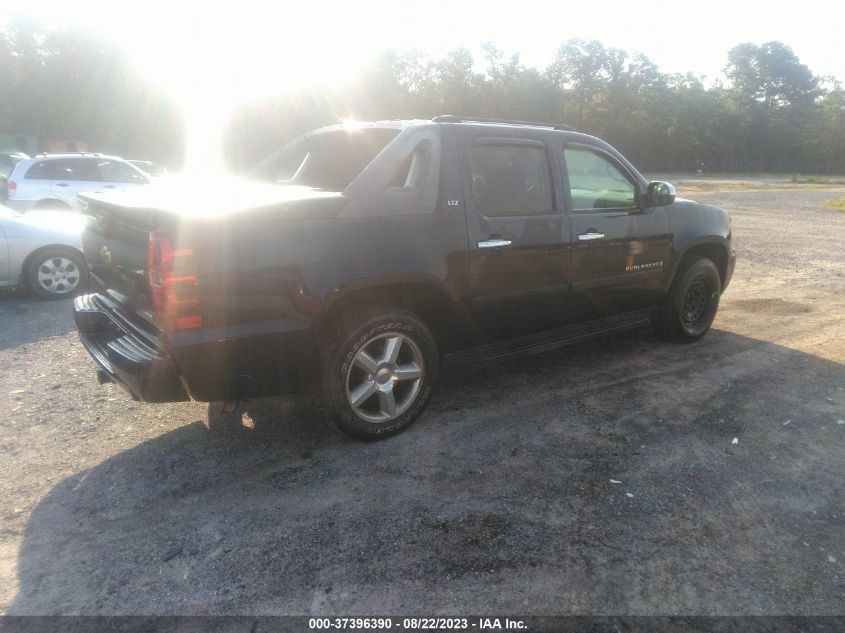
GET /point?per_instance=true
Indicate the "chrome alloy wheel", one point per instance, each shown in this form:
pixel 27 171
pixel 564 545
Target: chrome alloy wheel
pixel 58 275
pixel 384 377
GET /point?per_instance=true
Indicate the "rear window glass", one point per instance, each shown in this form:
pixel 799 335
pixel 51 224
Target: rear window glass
pixel 511 179
pixel 287 166
pixel 329 161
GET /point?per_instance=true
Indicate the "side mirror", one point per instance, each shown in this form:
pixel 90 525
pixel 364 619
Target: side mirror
pixel 659 194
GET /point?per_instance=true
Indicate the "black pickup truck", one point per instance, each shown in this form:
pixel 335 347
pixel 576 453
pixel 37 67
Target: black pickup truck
pixel 357 258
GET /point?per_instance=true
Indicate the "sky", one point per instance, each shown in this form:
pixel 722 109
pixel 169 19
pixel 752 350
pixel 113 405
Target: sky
pixel 262 45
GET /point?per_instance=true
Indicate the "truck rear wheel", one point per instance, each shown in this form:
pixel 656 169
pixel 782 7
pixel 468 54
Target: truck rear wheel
pixel 690 306
pixel 379 369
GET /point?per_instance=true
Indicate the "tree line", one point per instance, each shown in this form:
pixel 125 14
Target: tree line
pixel 769 113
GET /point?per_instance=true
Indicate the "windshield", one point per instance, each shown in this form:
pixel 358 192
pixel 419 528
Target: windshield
pixel 328 161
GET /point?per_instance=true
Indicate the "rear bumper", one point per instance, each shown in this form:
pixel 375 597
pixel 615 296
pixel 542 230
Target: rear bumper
pixel 124 353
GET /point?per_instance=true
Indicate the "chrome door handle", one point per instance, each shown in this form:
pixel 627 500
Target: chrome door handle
pixel 109 186
pixel 586 237
pixel 62 184
pixel 497 243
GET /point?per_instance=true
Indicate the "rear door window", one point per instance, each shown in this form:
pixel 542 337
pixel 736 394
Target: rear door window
pixel 511 178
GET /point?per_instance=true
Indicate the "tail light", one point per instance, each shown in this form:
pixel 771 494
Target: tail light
pixel 11 187
pixel 173 284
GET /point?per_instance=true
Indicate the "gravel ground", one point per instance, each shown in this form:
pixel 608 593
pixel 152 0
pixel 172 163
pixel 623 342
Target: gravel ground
pixel 625 476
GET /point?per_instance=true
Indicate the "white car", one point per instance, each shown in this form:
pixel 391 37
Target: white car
pixel 42 250
pixel 51 181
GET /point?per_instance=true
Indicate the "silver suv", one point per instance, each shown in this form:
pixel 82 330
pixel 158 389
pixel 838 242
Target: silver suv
pixel 51 181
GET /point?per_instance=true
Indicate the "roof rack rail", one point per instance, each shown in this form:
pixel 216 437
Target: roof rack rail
pixel 451 118
pixel 68 154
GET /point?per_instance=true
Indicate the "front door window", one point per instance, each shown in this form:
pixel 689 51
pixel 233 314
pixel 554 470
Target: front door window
pixel 596 184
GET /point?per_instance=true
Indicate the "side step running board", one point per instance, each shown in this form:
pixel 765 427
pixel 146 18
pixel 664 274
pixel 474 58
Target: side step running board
pixel 553 339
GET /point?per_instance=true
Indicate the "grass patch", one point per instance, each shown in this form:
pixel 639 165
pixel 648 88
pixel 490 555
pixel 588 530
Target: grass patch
pixel 816 180
pixel 725 186
pixel 839 205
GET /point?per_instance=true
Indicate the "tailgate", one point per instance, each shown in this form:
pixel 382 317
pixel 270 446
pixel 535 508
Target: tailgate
pixel 115 244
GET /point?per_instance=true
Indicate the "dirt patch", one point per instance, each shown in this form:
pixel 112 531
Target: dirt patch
pixel 771 306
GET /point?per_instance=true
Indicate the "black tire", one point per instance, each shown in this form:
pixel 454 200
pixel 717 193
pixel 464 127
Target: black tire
pixel 51 205
pixel 692 302
pixel 363 331
pixel 67 284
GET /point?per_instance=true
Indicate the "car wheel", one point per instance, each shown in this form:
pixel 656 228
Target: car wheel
pixel 379 370
pixel 56 274
pixel 691 304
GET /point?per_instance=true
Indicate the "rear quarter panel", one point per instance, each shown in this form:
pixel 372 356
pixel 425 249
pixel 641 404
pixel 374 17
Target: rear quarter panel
pixel 292 271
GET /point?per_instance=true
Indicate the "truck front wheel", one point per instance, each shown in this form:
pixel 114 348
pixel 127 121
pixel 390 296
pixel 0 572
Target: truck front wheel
pixel 690 307
pixel 379 369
